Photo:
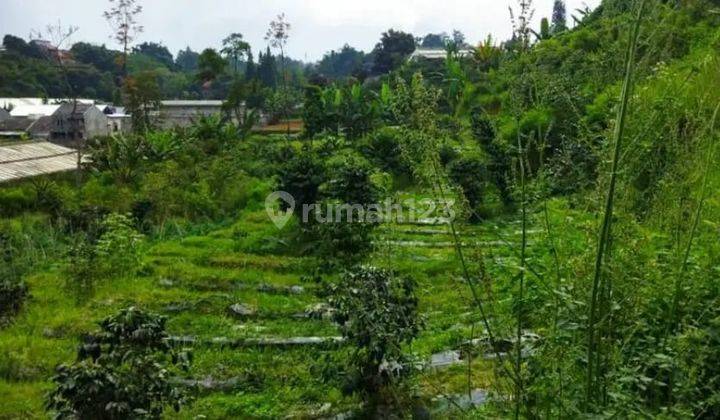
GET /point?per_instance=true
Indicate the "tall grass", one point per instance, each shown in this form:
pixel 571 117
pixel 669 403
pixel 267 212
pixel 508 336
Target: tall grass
pixel 682 269
pixel 606 226
pixel 522 155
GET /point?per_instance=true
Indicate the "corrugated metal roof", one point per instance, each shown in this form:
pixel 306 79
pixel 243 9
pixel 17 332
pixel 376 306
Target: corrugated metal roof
pixel 34 110
pixel 32 159
pixel 435 53
pixel 191 103
pixel 5 102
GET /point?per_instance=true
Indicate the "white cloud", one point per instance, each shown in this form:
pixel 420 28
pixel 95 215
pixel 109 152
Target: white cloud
pixel 318 25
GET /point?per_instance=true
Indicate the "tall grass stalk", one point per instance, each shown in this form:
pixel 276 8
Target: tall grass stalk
pixel 521 291
pixel 457 242
pixel 677 292
pixel 605 229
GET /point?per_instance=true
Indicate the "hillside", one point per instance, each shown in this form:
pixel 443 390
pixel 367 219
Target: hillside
pixel 529 231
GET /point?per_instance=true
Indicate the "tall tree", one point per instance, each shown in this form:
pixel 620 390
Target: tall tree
pixel 267 69
pixel 187 60
pixel 98 56
pixel 458 38
pixel 122 17
pixel 559 17
pixel 142 96
pixel 392 50
pixel 156 51
pixel 250 68
pixel 235 49
pixel 59 36
pixel 277 36
pixel 210 65
pixel 435 40
pixel 341 63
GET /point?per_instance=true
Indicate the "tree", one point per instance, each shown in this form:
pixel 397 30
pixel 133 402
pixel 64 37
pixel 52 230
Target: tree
pixel 545 31
pixel 235 48
pixel 187 60
pixel 559 17
pixel 250 67
pixel 435 40
pixel 156 51
pixel 458 38
pixel 237 108
pixel 98 56
pixel 377 311
pixel 267 69
pixel 123 371
pixel 59 36
pixel 521 25
pixel 19 46
pixel 392 50
pixel 122 18
pixel 210 65
pixel 142 96
pixel 277 36
pixel 342 63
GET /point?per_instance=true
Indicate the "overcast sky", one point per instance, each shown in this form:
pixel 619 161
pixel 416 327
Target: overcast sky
pixel 317 25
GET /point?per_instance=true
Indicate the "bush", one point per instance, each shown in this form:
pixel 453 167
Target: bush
pixel 470 174
pixel 345 235
pixel 378 313
pixel 106 249
pixel 383 148
pixel 123 371
pixel 13 291
pixel 14 201
pixel 12 295
pixel 301 176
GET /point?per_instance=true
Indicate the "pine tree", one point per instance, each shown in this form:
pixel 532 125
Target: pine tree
pixel 559 17
pixel 250 68
pixel 267 69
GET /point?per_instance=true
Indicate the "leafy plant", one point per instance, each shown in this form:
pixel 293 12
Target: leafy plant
pixel 123 371
pixel 378 314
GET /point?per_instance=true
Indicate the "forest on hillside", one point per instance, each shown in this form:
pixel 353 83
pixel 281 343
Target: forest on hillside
pixel 527 228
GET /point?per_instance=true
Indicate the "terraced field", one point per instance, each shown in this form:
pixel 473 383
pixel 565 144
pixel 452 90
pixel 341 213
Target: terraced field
pixel 259 332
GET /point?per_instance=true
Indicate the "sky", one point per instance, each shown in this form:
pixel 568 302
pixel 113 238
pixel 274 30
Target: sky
pixel 318 26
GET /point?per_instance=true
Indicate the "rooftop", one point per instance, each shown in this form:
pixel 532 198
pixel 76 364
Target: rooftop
pixel 208 103
pixel 32 159
pixel 435 53
pixel 15 102
pixel 33 111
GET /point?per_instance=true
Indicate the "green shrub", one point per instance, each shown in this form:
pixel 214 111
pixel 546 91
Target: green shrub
pixel 378 314
pixel 123 371
pixel 470 174
pixel 301 176
pixel 12 295
pixel 382 146
pixel 14 201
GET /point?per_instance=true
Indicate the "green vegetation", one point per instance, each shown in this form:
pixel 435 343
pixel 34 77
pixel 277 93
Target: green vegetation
pixel 556 256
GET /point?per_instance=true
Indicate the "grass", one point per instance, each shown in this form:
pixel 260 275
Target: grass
pixel 194 279
pixel 604 237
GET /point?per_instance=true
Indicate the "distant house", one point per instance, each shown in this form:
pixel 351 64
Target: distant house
pixel 32 121
pixel 435 54
pixel 4 115
pixel 184 113
pixel 86 122
pixel 118 120
pixel 15 128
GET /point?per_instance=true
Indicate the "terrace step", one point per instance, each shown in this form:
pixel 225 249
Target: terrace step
pixel 280 342
pixel 442 244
